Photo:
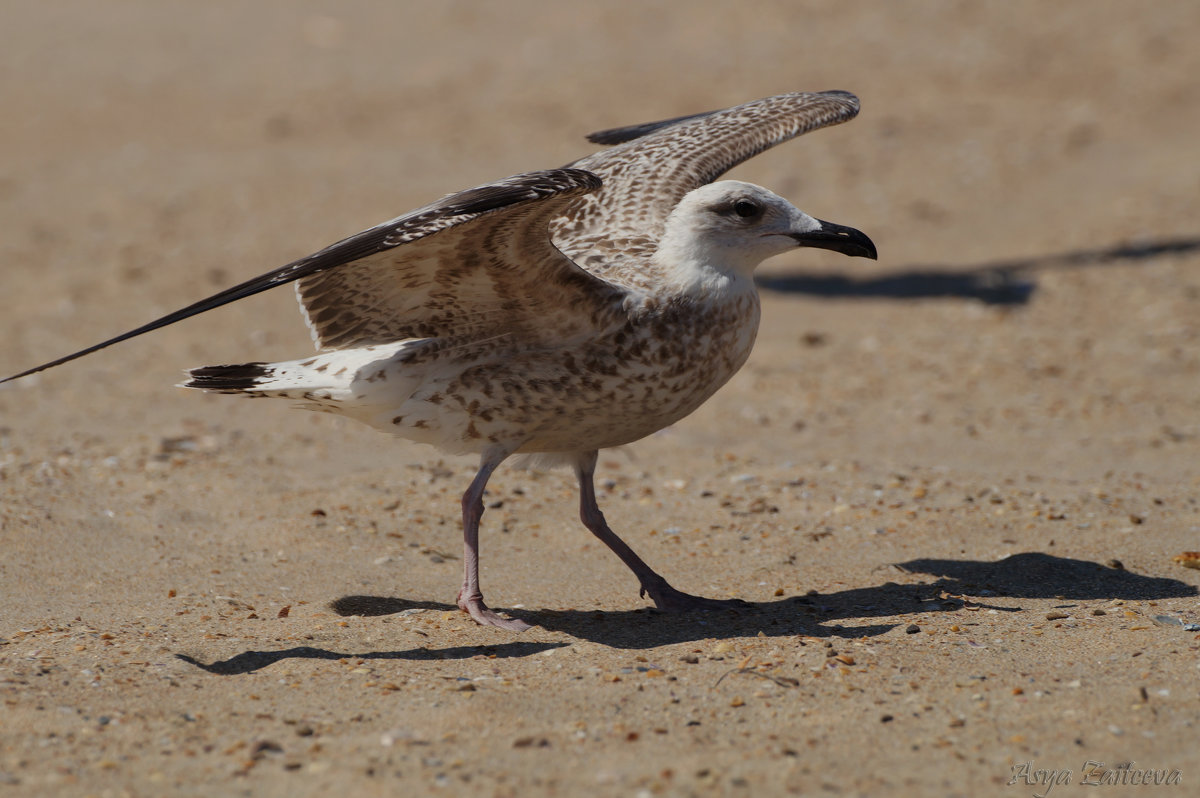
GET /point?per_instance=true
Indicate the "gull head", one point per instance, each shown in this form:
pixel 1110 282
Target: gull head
pixel 726 229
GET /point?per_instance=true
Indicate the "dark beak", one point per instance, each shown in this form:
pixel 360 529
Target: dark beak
pixel 839 238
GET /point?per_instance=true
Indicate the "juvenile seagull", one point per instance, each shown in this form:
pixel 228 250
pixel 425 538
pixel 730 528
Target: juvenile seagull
pixel 551 314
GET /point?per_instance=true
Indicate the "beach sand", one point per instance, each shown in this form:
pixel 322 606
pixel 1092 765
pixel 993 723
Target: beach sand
pixel 950 484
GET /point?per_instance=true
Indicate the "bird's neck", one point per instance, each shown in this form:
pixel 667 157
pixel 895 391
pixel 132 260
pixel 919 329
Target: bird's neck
pixel 691 269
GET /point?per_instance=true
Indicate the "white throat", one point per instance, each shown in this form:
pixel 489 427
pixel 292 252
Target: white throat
pixel 695 266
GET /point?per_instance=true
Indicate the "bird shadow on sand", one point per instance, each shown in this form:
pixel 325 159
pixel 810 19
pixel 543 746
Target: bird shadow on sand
pixel 250 661
pixel 957 584
pixel 1036 575
pixel 1005 282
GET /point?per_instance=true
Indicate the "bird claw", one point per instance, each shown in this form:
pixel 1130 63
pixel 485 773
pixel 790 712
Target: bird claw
pixel 668 599
pixel 483 616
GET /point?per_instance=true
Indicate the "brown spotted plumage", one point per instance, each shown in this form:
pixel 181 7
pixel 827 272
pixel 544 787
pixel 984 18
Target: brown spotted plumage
pixel 551 314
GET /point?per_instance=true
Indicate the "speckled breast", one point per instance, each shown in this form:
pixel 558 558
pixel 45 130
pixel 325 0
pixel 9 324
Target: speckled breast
pixel 663 364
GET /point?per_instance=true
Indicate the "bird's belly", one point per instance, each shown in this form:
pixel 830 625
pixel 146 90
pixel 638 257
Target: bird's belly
pixel 620 409
pixel 581 396
pixel 608 394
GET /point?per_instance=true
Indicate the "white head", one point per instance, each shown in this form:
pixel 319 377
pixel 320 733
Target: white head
pixel 725 229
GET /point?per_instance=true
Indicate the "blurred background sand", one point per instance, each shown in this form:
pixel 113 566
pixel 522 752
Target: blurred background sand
pixel 1016 375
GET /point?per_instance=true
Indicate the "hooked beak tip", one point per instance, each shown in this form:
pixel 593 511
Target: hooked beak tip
pixel 838 238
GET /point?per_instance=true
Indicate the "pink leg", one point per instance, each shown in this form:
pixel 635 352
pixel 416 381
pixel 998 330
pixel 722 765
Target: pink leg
pixel 470 597
pixel 665 597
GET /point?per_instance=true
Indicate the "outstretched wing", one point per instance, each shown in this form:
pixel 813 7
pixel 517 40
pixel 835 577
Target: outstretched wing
pixel 653 165
pixel 495 274
pixel 620 135
pixel 374 285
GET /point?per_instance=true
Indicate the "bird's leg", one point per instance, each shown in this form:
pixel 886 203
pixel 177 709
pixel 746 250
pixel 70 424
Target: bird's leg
pixel 470 598
pixel 665 597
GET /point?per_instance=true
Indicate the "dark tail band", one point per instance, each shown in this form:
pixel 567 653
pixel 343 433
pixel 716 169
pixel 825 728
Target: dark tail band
pixel 228 379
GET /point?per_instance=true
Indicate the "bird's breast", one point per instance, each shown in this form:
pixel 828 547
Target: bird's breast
pixel 647 374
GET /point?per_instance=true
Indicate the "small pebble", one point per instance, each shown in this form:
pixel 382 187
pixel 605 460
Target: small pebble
pixel 1054 616
pixel 264 747
pixel 1188 559
pixel 912 629
pixel 533 742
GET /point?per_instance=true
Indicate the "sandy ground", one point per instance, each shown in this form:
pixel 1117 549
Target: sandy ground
pixel 950 484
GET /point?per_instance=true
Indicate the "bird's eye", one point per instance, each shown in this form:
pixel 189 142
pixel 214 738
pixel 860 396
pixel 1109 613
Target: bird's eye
pixel 746 208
